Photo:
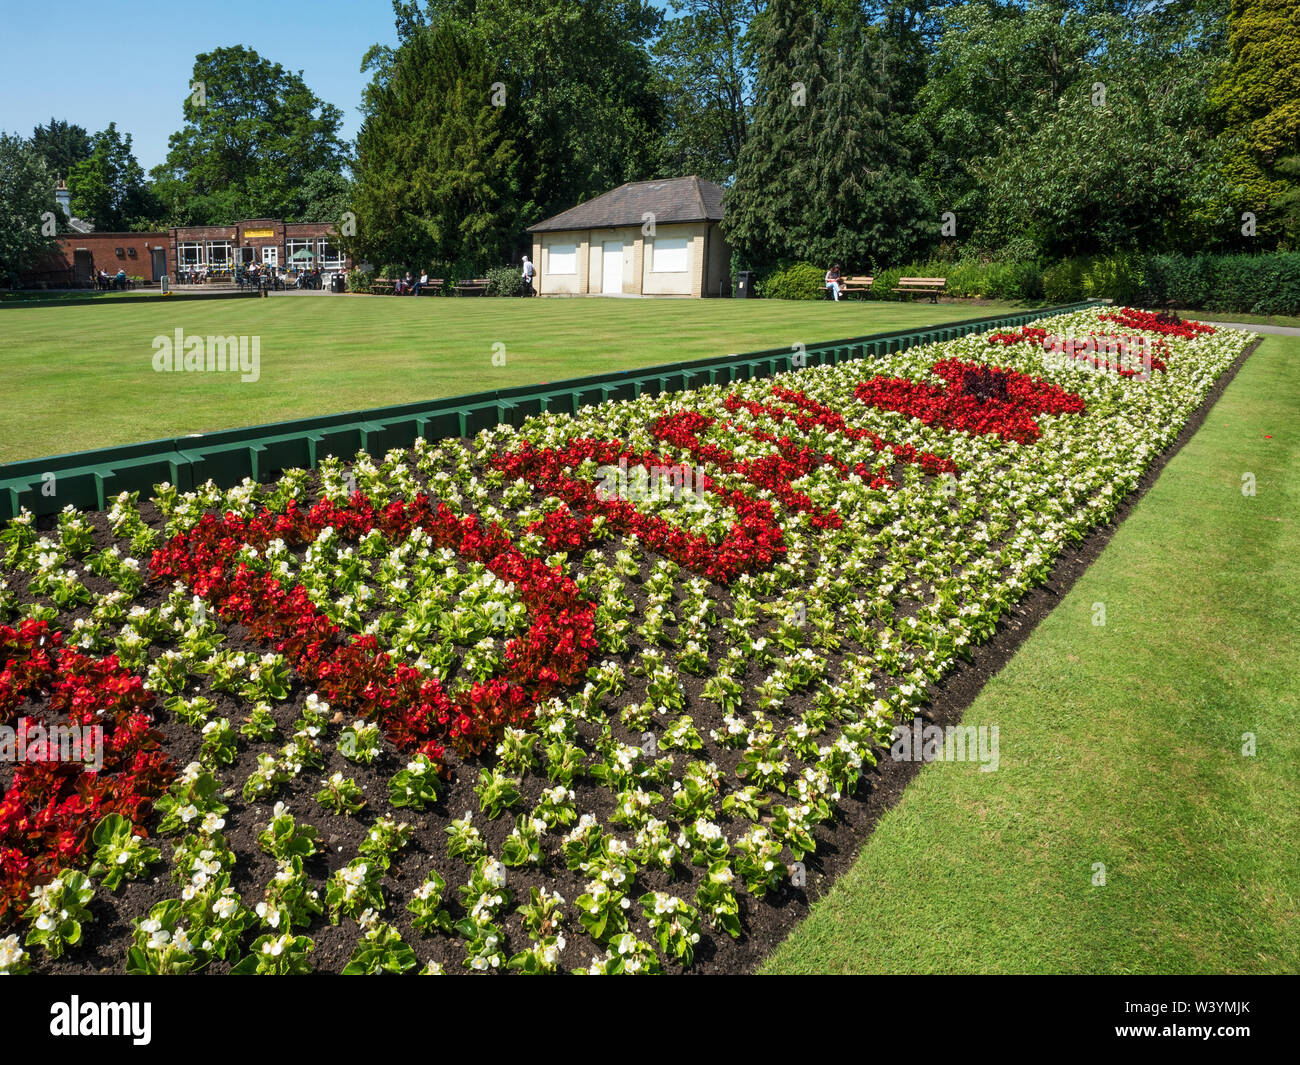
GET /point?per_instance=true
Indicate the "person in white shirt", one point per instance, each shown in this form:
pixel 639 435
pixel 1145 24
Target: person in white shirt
pixel 834 280
pixel 529 271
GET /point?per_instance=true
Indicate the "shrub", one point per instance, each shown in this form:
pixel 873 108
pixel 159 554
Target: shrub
pixel 358 281
pixel 1063 282
pixel 794 281
pixel 883 286
pixel 1182 280
pixel 504 281
pixel 1255 284
pixel 1116 277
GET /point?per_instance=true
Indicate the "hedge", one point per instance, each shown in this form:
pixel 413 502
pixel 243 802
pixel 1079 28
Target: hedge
pixel 1241 284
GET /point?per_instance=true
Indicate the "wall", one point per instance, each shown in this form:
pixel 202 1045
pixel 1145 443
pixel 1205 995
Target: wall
pixel 683 283
pixel 573 284
pixel 717 262
pixel 707 259
pixel 56 269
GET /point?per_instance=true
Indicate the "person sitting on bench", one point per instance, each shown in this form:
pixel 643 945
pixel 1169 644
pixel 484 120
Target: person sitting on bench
pixel 833 281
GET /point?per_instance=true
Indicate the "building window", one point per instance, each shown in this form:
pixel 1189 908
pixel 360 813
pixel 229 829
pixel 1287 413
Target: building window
pixel 192 254
pixel 331 255
pixel 669 255
pixel 270 255
pixel 219 254
pixel 293 247
pixel 563 259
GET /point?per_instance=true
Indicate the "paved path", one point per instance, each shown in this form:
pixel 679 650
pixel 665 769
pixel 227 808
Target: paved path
pixel 1279 330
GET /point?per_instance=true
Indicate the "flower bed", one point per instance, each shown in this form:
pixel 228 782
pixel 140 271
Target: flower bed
pixel 584 695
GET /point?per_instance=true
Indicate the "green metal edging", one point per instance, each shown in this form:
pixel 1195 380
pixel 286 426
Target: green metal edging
pixel 89 479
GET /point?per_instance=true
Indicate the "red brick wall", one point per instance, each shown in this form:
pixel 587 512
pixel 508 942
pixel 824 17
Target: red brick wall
pixel 57 269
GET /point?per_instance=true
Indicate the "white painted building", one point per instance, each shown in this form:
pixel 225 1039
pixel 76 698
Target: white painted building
pixel 645 238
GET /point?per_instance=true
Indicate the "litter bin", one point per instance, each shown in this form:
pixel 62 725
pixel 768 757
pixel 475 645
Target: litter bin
pixel 336 283
pixel 745 284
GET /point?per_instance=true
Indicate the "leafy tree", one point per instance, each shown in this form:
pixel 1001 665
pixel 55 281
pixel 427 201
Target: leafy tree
pixel 109 188
pixel 1123 176
pixel 578 95
pixel 1259 97
pixel 822 175
pixel 325 196
pixel 253 134
pixel 705 60
pixel 436 175
pixel 994 63
pixel 26 206
pixel 62 145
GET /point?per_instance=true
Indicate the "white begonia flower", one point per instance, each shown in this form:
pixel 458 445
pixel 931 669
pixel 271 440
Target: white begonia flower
pixel 11 953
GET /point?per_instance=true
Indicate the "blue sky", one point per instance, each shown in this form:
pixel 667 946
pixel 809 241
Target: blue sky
pixel 129 61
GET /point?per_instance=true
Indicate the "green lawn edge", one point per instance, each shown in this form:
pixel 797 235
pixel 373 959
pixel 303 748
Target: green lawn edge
pixel 1121 745
pixel 82 377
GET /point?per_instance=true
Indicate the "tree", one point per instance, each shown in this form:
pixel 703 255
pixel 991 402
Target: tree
pixel 822 174
pixel 1259 97
pixel 253 134
pixel 325 196
pixel 705 61
pixel 436 176
pixel 1088 179
pixel 576 89
pixel 62 145
pixel 28 212
pixel 109 188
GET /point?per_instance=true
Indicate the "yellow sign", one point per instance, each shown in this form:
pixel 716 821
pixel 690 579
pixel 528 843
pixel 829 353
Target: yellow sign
pixel 252 234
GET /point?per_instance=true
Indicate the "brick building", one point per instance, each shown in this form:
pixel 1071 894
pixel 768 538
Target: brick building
pixel 268 241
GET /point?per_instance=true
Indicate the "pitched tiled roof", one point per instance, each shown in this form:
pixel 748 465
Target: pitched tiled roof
pixel 687 199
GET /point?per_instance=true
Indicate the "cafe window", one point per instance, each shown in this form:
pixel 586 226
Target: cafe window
pixel 192 254
pixel 293 247
pixel 330 254
pixel 219 253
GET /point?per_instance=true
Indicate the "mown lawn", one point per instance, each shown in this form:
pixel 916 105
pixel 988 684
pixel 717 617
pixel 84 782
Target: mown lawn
pixel 1121 745
pixel 80 377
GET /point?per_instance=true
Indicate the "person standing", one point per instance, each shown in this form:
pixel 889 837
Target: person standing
pixel 528 273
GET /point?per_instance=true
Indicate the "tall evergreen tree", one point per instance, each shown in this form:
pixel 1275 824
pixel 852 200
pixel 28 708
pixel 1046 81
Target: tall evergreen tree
pixel 436 177
pixel 62 145
pixel 577 89
pixel 823 174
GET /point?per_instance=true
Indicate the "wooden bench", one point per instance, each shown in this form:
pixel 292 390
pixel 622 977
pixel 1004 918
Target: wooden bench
pixel 921 286
pixel 382 287
pixel 476 287
pixel 856 284
pixel 433 287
